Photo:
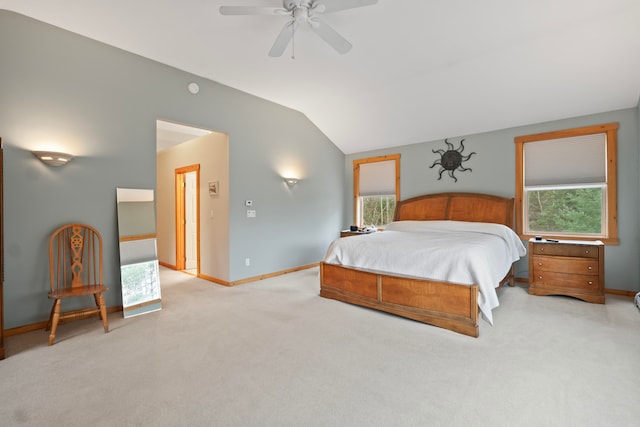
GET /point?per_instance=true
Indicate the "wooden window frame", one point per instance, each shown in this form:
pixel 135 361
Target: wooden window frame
pixel 611 130
pixel 356 180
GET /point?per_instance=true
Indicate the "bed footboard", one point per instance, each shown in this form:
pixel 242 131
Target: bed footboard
pixel 447 305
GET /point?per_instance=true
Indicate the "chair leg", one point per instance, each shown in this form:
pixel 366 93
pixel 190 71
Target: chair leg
pixel 55 311
pixel 96 298
pixel 103 311
pixel 53 306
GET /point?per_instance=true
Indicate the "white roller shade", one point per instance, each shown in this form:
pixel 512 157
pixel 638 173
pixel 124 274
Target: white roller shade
pixel 566 161
pixel 378 178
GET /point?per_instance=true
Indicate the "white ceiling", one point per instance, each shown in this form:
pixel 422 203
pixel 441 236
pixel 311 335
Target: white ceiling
pixel 169 134
pixel 419 70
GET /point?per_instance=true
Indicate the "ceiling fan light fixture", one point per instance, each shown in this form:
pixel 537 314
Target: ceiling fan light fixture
pixel 303 11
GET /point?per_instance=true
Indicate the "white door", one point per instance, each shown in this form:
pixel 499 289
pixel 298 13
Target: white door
pixel 191 229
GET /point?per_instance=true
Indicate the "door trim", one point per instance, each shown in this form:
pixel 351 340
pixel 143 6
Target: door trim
pixel 180 215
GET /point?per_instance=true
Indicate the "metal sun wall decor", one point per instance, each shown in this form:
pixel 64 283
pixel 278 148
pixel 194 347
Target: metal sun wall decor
pixel 451 160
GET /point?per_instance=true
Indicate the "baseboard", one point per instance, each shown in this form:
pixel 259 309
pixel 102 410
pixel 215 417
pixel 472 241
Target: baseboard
pixel 524 280
pixel 277 273
pixel 620 292
pixel 214 280
pixel 41 325
pixel 248 279
pixel 164 264
pixel 200 276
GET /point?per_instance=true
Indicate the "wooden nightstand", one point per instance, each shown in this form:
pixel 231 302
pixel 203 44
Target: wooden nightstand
pixel 568 267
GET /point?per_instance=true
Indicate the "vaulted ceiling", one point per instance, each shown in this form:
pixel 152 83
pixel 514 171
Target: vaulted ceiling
pixel 419 70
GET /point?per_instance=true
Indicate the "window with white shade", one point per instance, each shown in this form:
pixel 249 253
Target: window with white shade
pixel 376 183
pixel 566 184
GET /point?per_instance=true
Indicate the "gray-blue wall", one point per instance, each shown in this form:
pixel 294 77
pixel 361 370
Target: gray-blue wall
pixel 101 104
pixel 493 171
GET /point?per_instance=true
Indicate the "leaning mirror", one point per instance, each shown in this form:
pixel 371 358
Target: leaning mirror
pixel 139 271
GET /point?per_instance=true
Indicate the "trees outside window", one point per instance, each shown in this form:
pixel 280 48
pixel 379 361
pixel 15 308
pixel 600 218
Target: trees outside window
pixel 378 210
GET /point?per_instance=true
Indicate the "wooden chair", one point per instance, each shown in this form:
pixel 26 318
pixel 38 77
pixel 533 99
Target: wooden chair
pixel 75 270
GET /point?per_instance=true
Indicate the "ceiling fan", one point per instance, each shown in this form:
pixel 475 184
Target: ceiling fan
pixel 302 12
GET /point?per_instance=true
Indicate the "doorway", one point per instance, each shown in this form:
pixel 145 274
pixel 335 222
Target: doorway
pixel 188 156
pixel 187 182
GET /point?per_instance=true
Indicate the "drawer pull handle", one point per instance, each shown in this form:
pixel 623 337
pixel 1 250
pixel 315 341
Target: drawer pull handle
pixel 539 277
pixel 590 268
pixel 587 251
pixel 541 249
pixel 540 264
pixel 589 282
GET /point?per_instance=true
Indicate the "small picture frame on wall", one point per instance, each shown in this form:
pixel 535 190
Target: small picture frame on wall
pixel 213 188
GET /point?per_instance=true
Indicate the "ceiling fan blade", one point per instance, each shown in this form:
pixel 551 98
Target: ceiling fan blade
pixel 330 36
pixel 338 5
pixel 283 39
pixel 250 10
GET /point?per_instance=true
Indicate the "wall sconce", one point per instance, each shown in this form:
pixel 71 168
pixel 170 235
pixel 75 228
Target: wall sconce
pixel 53 158
pixel 291 181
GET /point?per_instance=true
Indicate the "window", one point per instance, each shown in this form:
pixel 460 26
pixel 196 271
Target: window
pixel 376 188
pixel 566 184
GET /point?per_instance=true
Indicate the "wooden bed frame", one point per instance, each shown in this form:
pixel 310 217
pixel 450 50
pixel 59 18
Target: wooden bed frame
pixel 448 305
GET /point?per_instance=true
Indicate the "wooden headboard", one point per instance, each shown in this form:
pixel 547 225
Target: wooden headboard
pixel 474 207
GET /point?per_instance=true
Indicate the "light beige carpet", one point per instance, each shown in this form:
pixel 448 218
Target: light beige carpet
pixel 274 353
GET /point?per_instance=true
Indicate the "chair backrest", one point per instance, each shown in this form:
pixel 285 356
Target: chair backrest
pixel 75 257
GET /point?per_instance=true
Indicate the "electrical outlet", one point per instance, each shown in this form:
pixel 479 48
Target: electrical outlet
pixel 247 262
pixel 251 213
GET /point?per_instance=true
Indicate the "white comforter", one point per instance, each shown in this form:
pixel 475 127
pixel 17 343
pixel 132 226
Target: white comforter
pixel 454 251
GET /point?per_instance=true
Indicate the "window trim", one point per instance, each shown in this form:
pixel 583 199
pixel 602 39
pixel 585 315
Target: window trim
pixel 356 181
pixel 612 179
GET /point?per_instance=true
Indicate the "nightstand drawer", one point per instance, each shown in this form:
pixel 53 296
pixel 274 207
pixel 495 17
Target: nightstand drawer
pixel 550 280
pixel 552 249
pixel 566 265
